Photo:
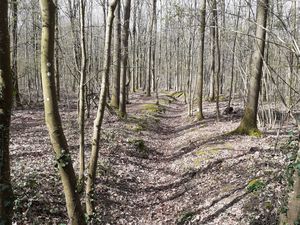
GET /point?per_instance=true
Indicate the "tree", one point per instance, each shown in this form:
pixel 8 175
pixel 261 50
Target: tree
pixel 217 66
pixel 52 117
pixel 100 112
pixel 201 59
pixel 115 98
pixel 6 96
pixel 15 52
pixel 124 58
pixel 248 124
pixel 234 56
pixel 82 87
pixel 150 49
pixel 56 55
pixel 134 48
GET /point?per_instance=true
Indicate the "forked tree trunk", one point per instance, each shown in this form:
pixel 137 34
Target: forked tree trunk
pixel 248 124
pixel 6 95
pixel 52 116
pixel 100 112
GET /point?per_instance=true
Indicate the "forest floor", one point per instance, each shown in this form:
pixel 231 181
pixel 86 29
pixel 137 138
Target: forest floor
pixel 158 166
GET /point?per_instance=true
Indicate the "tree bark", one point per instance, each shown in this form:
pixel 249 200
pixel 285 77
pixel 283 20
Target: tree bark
pixel 213 54
pixel 6 99
pixel 201 59
pixel 57 68
pixel 82 87
pixel 233 55
pixel 115 99
pixel 52 116
pixel 134 48
pixel 15 53
pixel 100 112
pixel 154 39
pixel 149 69
pixel 218 59
pixel 124 58
pixel 248 124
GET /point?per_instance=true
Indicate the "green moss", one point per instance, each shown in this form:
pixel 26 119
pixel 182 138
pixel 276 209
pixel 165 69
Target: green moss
pixel 153 108
pixel 248 125
pixel 253 132
pixel 255 185
pixel 144 122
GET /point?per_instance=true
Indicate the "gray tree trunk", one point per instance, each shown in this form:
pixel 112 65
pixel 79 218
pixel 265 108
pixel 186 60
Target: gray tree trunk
pixel 82 87
pixel 100 112
pixel 201 59
pixel 124 58
pixel 115 98
pixel 248 124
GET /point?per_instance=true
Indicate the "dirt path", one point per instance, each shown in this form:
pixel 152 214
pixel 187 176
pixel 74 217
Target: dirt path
pixel 196 174
pixel 186 172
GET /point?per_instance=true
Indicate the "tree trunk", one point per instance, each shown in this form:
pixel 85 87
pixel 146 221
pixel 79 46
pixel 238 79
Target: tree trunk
pixel 52 116
pixel 189 76
pixel 15 53
pixel 201 60
pixel 233 55
pixel 154 39
pixel 57 73
pixel 149 69
pixel 124 58
pixel 134 48
pixel 248 124
pixel 6 99
pixel 100 111
pixel 115 98
pixel 213 53
pixel 82 86
pixel 217 60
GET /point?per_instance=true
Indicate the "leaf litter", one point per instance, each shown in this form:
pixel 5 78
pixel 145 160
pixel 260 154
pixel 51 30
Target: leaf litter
pixel 185 172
